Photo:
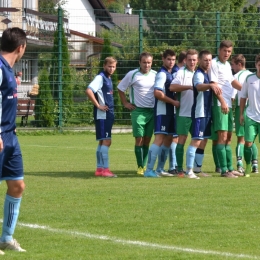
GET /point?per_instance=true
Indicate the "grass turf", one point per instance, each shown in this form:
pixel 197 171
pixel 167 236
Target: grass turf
pixel 129 217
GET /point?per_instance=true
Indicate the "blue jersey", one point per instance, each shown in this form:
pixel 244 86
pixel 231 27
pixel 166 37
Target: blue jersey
pixel 202 99
pixel 8 97
pixel 163 81
pixel 102 87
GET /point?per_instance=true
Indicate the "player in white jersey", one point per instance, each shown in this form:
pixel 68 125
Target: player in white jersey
pixel 139 83
pixel 220 72
pixel 182 84
pixel 251 90
pixel 238 62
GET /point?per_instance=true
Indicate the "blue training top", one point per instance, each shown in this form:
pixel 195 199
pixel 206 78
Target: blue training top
pixel 8 97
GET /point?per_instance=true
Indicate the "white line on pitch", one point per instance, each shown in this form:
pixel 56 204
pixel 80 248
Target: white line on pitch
pixel 138 243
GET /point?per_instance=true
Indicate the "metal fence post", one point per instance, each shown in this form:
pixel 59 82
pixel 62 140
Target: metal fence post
pixel 140 31
pixel 60 24
pixel 217 31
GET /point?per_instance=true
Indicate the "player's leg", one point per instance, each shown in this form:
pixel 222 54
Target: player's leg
pixel 172 155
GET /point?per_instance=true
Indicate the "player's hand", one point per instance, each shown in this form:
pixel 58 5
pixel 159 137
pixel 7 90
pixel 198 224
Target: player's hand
pixel 1 145
pixel 215 88
pixel 129 106
pixel 176 103
pixel 224 108
pixel 242 120
pixel 103 108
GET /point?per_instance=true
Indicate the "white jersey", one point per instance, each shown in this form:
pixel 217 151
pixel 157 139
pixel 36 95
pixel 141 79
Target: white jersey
pixel 221 73
pixel 141 87
pixel 251 90
pixel 241 77
pixel 184 78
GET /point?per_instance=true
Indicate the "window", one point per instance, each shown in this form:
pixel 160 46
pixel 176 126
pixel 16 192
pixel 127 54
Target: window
pixel 29 4
pixel 25 66
pixel 5 3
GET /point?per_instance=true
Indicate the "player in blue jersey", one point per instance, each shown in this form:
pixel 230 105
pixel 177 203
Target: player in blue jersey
pixel 100 93
pixel 172 155
pixel 13 44
pixel 201 108
pixel 164 123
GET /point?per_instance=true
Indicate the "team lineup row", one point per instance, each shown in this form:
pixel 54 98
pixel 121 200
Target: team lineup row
pixel 195 95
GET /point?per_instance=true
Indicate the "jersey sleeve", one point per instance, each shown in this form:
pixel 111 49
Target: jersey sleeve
pixel 125 83
pixel 213 72
pixel 160 80
pixel 179 78
pixel 244 90
pixel 96 84
pixel 198 78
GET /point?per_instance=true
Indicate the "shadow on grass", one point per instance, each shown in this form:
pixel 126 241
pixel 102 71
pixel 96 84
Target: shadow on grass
pixel 81 175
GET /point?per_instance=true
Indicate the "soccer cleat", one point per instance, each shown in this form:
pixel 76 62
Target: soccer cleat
pixel 140 170
pixel 237 173
pixel 202 174
pixel 11 245
pixel 228 175
pixel 163 173
pixel 248 170
pixel 254 168
pixel 108 173
pixel 151 173
pixel 218 170
pixel 192 175
pixel 240 169
pixel 144 168
pixel 99 172
pixel 181 174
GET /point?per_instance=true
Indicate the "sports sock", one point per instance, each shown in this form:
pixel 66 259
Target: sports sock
pixel 229 157
pixel 139 155
pixel 248 154
pixel 162 157
pixel 199 156
pixel 11 213
pixel 104 155
pixel 179 156
pixel 145 154
pixel 152 155
pixel 215 156
pixel 172 156
pixel 98 156
pixel 222 156
pixel 190 156
pixel 254 152
pixel 240 154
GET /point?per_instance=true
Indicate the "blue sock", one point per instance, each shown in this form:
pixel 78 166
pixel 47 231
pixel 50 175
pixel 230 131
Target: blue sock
pixel 153 152
pixel 98 156
pixel 190 156
pixel 162 157
pixel 11 213
pixel 104 156
pixel 199 156
pixel 172 156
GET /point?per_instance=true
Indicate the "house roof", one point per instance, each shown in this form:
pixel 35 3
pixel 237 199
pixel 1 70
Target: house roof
pixel 100 10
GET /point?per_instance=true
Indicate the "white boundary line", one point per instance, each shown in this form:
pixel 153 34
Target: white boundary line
pixel 138 243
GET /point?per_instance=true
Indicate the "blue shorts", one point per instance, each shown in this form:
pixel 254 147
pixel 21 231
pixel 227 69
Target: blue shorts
pixel 103 128
pixel 11 162
pixel 164 124
pixel 201 128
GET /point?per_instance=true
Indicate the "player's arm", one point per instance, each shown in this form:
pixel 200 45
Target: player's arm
pixel 242 108
pixel 161 96
pixel 236 84
pixel 124 101
pixel 223 104
pixel 179 88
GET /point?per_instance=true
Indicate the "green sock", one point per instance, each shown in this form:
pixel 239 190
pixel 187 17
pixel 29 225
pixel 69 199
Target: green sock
pixel 215 156
pixel 229 158
pixel 248 154
pixel 139 155
pixel 179 156
pixel 222 156
pixel 254 152
pixel 240 154
pixel 145 154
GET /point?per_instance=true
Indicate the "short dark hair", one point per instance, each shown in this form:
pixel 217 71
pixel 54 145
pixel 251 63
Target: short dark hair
pixel 257 58
pixel 182 56
pixel 145 54
pixel 12 38
pixel 204 52
pixel 168 52
pixel 239 58
pixel 226 44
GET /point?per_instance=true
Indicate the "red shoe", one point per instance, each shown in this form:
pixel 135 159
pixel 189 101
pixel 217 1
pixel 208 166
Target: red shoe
pixel 107 173
pixel 99 172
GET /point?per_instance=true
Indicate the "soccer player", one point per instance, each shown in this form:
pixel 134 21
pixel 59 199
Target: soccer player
pixel 13 44
pixel 182 84
pixel 100 93
pixel 140 83
pixel 238 63
pixel 201 108
pixel 220 73
pixel 251 90
pixel 164 123
pixel 172 155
